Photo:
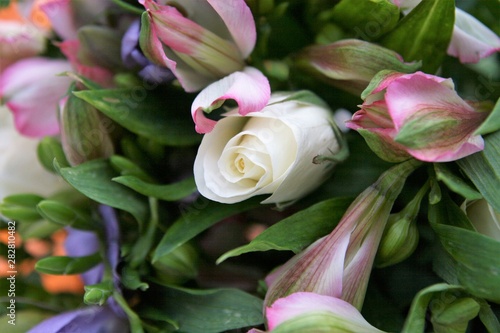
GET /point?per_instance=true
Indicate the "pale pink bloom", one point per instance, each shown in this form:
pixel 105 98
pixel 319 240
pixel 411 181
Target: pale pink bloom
pixel 202 42
pixel 418 115
pixel 31 89
pixel 471 40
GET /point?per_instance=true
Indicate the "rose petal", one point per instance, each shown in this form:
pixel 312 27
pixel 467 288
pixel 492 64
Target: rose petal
pixel 249 88
pixel 471 39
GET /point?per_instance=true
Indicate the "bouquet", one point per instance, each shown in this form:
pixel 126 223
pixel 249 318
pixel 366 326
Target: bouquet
pixel 249 166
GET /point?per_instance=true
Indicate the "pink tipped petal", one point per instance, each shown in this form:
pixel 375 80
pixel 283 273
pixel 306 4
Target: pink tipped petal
pixel 31 89
pixel 473 145
pixel 472 40
pixel 240 22
pixel 61 17
pixel 249 88
pixel 301 303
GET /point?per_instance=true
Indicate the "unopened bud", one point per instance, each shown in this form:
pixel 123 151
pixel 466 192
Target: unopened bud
pixel 84 134
pixel 399 241
pixel 60 213
pixel 178 266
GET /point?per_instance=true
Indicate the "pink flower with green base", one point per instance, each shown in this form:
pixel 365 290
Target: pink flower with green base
pixel 418 115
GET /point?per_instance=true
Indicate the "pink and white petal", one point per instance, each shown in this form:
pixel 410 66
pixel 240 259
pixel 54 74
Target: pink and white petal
pixel 472 40
pixel 61 16
pixel 249 88
pixel 411 93
pixel 472 145
pixel 301 303
pixel 31 89
pixel 19 40
pixel 240 22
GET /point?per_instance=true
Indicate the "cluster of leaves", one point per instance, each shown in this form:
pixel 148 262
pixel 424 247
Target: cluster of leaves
pixel 149 182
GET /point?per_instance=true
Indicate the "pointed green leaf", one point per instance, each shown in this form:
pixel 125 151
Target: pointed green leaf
pixel 141 111
pixel 492 123
pixel 424 34
pixel 61 265
pixel 297 231
pixel 483 169
pixel 170 192
pixel 21 207
pixel 93 179
pixel 196 218
pixel 204 311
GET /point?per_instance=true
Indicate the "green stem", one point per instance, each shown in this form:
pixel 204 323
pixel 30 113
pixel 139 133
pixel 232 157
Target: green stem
pixel 135 321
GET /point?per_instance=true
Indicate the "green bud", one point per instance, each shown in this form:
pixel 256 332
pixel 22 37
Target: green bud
pixel 39 229
pixel 453 317
pixel 61 265
pixel 399 241
pixel 98 294
pixel 48 149
pixel 84 132
pixel 177 266
pixel 65 215
pixel 21 207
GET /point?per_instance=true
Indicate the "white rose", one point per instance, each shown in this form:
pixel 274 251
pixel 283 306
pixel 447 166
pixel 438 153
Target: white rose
pixel 20 171
pixel 483 217
pixel 268 152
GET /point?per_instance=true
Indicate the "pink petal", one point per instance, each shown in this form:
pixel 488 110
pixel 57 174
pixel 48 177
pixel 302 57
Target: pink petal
pixel 61 16
pixel 410 93
pixel 32 89
pixel 303 302
pixel 472 145
pixel 240 22
pixel 249 88
pixel 98 74
pixel 472 40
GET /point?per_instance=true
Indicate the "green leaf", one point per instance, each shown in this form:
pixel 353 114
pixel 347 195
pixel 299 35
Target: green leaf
pixel 93 179
pixel 488 317
pixel 483 169
pixel 170 192
pixel 455 183
pixel 492 123
pixel 66 215
pixel 447 212
pixel 50 148
pixel 145 113
pixel 297 231
pixel 40 229
pixel 21 207
pixel 204 311
pixel 61 265
pixel 424 34
pixel 196 218
pixel 368 19
pixel 415 321
pixel 478 265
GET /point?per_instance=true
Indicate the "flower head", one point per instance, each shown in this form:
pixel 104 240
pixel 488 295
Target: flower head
pixel 417 115
pixel 267 152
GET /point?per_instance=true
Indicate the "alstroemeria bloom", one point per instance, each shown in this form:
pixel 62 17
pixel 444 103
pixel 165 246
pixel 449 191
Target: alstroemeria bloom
pixel 19 37
pixel 202 42
pixel 267 152
pixel 339 264
pixel 31 89
pixel 471 40
pixel 483 217
pixel 418 115
pixel 305 312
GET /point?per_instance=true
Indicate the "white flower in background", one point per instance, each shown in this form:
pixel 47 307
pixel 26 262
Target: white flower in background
pixel 483 217
pixel 20 171
pixel 268 152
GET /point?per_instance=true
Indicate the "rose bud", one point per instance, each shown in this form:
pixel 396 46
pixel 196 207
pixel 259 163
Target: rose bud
pixel 279 151
pixel 418 115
